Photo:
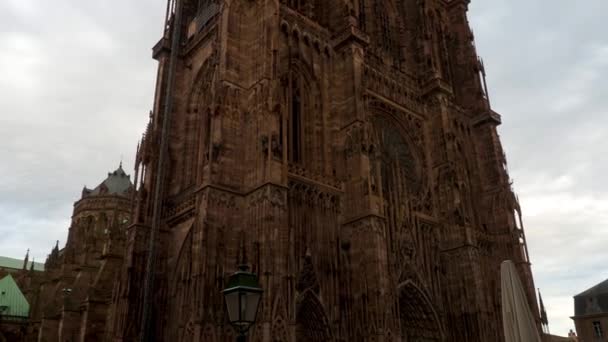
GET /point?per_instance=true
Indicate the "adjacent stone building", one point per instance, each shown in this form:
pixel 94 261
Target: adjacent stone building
pixel 348 149
pixel 26 273
pixel 591 314
pixel 19 283
pixel 74 297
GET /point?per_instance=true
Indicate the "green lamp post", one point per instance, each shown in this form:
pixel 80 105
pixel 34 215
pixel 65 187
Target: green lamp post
pixel 242 295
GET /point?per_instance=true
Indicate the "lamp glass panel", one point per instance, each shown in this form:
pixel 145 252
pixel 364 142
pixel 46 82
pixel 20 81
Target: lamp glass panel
pixel 232 304
pixel 249 310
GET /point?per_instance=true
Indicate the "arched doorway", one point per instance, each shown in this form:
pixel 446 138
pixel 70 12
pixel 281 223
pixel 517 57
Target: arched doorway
pixel 311 322
pixel 417 316
pixel 182 307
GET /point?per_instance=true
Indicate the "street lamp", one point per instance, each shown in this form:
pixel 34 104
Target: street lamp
pixel 242 295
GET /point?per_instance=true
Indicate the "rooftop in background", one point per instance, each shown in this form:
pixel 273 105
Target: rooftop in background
pixel 117 183
pixel 17 264
pixel 555 338
pixel 592 301
pixel 12 301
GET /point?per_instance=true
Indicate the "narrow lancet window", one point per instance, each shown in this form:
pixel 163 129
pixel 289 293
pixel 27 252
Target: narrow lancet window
pixel 384 28
pixel 362 15
pixel 295 122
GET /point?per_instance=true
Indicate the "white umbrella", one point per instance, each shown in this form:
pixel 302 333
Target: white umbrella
pixel 518 321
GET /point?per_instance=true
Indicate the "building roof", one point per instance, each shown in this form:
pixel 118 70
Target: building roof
pixel 592 301
pixel 12 301
pixel 17 264
pixel 601 288
pixel 117 183
pixel 555 338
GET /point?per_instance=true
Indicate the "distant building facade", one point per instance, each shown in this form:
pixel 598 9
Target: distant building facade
pixel 591 314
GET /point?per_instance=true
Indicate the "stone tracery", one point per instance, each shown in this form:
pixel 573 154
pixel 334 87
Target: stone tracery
pixel 343 170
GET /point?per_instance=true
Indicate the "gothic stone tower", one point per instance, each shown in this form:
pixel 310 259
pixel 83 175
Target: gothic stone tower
pixel 348 149
pixel 76 293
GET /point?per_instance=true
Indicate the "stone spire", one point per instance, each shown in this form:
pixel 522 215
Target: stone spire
pixel 25 261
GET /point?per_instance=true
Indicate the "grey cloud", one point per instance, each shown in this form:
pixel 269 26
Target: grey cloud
pixel 78 79
pixel 547 67
pixel 77 83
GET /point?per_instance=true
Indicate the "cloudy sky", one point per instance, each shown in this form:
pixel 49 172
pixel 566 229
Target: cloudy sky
pixel 77 79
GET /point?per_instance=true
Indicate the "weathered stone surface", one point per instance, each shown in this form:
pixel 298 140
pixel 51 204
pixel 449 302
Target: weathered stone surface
pixel 347 148
pixel 343 147
pixel 73 295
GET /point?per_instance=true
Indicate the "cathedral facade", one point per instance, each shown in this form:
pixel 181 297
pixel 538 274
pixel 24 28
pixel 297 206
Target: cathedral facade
pixel 348 149
pixel 345 149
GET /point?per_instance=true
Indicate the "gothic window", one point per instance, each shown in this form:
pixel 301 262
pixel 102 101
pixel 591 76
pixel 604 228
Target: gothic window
pixel 295 122
pixel 207 136
pixel 304 116
pixel 385 29
pixel 362 15
pixel 597 330
pixel 443 53
pixel 395 155
pixel 439 45
pixel 206 7
pixel 304 6
pixel 385 33
pixel 199 10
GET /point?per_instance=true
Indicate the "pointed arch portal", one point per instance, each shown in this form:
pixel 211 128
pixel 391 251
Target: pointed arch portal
pixel 312 324
pixel 418 318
